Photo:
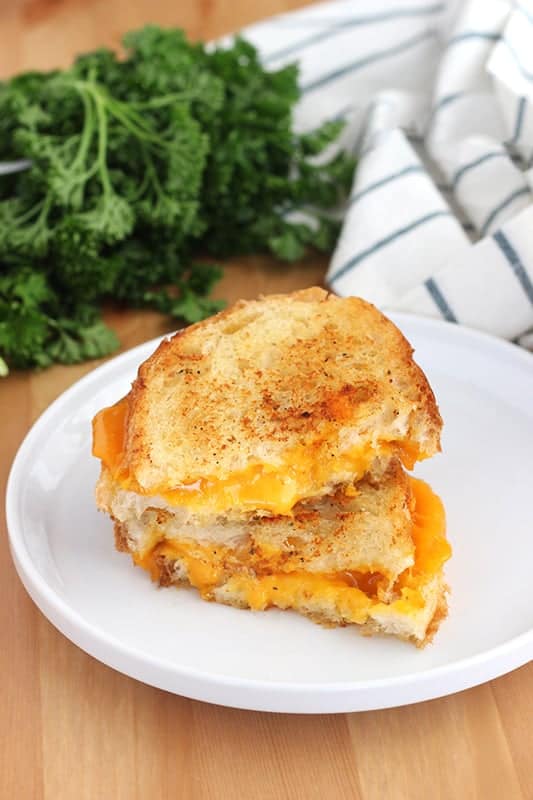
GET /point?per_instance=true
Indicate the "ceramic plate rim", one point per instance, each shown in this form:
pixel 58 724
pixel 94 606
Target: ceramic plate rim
pixel 515 649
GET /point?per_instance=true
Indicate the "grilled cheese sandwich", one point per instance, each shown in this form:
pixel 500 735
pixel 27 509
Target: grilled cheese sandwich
pixel 260 457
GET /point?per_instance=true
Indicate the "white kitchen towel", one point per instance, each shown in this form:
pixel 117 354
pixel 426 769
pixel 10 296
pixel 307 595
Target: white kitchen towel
pixel 438 99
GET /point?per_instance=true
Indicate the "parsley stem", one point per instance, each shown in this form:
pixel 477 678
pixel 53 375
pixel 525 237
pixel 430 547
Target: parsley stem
pixel 132 125
pixel 29 214
pixel 40 222
pixel 124 113
pixel 142 188
pixel 160 102
pixel 102 144
pixel 87 133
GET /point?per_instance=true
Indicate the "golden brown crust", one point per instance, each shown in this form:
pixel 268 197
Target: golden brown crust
pixel 121 537
pixel 441 612
pixel 264 377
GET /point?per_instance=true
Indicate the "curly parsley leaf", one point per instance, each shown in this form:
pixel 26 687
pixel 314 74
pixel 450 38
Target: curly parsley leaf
pixel 36 330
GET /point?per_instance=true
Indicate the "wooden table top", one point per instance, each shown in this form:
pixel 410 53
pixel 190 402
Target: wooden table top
pixel 74 729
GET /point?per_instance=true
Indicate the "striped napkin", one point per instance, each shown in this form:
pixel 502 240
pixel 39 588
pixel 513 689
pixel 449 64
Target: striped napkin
pixel 438 101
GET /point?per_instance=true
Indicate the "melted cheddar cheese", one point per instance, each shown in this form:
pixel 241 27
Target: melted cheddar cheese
pixel 260 486
pixel 296 589
pixel 204 563
pixel 352 593
pixel 432 549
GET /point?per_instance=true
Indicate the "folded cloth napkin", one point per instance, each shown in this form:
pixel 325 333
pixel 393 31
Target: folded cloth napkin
pixel 438 100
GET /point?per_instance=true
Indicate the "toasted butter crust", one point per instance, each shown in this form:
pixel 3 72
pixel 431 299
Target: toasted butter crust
pixel 287 376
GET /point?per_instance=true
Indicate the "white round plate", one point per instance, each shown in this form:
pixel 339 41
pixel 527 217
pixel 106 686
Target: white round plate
pixel 276 660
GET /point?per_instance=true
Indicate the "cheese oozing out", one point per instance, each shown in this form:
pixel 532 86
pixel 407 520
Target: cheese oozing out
pixel 354 595
pixel 271 488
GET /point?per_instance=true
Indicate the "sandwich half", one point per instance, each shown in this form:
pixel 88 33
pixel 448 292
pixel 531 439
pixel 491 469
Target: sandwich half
pixel 260 457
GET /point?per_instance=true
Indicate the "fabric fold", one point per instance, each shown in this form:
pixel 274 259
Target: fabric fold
pixel 438 98
pixel 393 208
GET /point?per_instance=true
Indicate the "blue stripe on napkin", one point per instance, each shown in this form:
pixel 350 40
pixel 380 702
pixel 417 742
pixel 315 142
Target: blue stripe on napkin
pixel 342 25
pixel 379 55
pixel 443 102
pixel 439 300
pixel 461 37
pixel 384 181
pixel 501 206
pixel 520 113
pixel 513 259
pixel 355 260
pixel 473 164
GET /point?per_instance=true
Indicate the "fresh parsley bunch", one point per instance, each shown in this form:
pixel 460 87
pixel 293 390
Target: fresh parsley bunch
pixel 138 166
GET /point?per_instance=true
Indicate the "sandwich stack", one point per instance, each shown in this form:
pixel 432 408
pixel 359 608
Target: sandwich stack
pixel 261 458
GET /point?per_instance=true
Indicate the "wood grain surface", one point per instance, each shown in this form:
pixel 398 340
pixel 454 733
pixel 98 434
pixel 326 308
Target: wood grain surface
pixel 73 729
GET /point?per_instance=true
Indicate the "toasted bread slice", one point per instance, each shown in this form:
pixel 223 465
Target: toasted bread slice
pixel 269 403
pixel 374 559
